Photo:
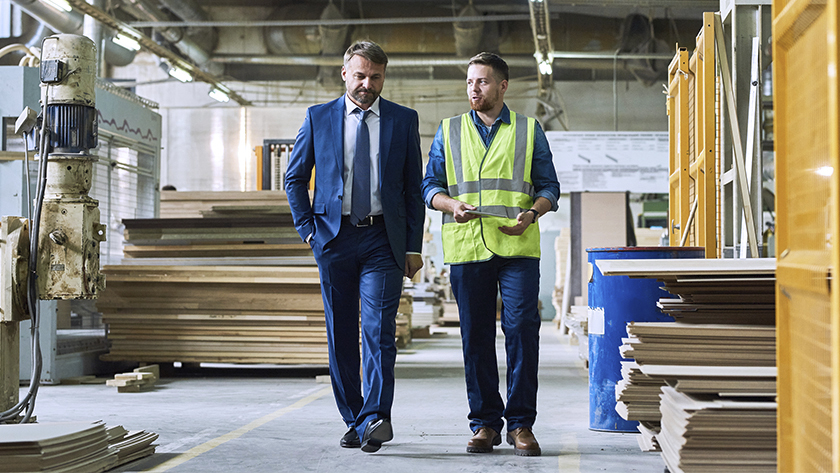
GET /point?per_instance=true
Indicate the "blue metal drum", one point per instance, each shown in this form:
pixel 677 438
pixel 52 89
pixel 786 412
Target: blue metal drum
pixel 614 301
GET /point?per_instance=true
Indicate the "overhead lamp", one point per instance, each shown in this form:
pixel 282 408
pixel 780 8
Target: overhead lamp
pixel 59 5
pixel 536 1
pixel 180 74
pixel 218 95
pixel 127 42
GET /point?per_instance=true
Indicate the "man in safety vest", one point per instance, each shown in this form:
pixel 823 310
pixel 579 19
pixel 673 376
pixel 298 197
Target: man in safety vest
pixel 491 173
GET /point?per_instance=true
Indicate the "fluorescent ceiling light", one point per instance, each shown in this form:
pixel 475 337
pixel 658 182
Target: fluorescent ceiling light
pixel 127 42
pixel 59 4
pixel 180 74
pixel 218 95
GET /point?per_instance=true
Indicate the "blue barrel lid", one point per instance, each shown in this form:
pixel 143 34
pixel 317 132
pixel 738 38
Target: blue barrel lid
pixel 644 248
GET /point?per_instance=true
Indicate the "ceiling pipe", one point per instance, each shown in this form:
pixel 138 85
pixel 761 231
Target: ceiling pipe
pixel 572 60
pixel 175 36
pixel 189 10
pixel 72 23
pixel 468 33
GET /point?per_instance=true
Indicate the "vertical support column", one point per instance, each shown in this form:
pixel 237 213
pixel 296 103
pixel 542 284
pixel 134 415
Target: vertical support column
pixel 9 364
pixel 678 145
pixel 742 20
pixel 704 138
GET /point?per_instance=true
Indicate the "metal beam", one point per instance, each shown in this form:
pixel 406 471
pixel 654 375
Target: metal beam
pixel 325 22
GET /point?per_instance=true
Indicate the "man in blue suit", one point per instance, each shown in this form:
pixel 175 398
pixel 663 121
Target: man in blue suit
pixel 365 226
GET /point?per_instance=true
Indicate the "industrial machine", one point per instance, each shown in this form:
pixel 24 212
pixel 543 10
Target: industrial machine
pixel 54 253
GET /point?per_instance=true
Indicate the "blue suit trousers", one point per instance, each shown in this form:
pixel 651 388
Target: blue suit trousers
pixel 358 265
pixel 476 286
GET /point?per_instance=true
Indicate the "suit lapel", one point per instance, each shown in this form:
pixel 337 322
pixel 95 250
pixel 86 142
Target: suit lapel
pixel 336 123
pixel 386 128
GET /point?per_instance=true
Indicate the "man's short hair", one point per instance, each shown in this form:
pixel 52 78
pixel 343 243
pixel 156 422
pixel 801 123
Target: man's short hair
pixel 368 50
pixel 499 66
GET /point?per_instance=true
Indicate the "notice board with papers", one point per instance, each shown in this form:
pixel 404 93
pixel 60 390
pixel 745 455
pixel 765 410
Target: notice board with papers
pixel 610 161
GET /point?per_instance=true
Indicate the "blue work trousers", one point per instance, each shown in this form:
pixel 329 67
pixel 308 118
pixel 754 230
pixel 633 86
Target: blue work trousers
pixel 475 286
pixel 358 264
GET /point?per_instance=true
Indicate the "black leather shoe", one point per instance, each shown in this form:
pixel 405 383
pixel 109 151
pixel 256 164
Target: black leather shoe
pixel 376 432
pixel 350 439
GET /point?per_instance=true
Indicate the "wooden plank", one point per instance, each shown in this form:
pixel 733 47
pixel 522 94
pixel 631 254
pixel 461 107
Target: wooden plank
pixel 656 268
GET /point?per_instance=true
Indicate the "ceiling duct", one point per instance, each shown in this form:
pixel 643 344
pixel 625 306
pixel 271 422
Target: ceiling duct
pixel 468 34
pixel 637 37
pixel 145 10
pixel 293 40
pixel 188 10
pixel 333 43
pixel 72 23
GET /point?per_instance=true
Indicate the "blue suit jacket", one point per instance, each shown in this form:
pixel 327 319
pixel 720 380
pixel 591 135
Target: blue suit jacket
pixel 320 144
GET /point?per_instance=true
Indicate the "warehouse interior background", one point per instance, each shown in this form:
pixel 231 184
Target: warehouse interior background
pixel 206 96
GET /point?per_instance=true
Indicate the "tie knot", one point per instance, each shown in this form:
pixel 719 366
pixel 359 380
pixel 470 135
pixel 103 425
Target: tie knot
pixel 363 114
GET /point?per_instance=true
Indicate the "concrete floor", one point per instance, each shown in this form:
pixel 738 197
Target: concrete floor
pixel 289 423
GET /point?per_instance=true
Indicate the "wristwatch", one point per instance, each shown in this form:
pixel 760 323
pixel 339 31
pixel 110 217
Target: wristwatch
pixel 536 214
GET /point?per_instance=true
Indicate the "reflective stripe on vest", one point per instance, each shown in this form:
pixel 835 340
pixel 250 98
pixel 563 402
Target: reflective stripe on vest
pixel 495 179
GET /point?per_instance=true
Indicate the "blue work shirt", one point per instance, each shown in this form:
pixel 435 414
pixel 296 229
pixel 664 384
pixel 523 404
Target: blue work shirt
pixel 543 176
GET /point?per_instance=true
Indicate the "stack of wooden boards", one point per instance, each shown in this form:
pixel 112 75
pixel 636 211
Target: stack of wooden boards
pixel 221 314
pixel 215 225
pixel 427 305
pixel 404 320
pixel 140 380
pixel 70 447
pixel 711 374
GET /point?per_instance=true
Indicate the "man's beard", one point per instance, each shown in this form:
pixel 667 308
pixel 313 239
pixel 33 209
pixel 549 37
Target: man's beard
pixel 484 103
pixel 367 99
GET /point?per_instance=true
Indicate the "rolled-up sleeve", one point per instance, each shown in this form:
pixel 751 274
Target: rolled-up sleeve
pixel 543 175
pixel 435 180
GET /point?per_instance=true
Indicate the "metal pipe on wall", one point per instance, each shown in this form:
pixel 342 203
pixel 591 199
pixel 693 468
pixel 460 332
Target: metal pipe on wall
pixel 73 23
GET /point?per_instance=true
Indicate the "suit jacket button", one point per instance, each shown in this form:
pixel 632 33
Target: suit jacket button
pixel 341 197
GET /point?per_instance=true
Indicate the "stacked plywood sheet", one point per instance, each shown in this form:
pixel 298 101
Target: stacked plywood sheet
pixel 713 371
pixel 82 447
pixel 260 236
pixel 228 314
pixel 427 304
pixel 577 321
pixel 193 204
pixel 710 434
pixel 404 320
pixel 677 343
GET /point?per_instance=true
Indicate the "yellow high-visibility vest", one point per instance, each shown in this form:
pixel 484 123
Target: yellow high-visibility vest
pixel 495 179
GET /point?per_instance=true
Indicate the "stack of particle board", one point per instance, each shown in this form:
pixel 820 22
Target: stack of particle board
pixel 260 236
pixel 577 321
pixel 449 313
pixel 636 394
pixel 426 308
pixel 192 204
pixel 404 320
pixel 710 368
pixel 69 447
pixel 706 433
pixel 222 314
pixel 675 343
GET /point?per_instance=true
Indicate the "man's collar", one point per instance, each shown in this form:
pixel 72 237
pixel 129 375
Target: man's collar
pixel 350 107
pixel 504 116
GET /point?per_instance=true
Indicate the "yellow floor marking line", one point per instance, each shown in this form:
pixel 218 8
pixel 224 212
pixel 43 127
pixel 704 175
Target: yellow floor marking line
pixel 211 444
pixel 569 459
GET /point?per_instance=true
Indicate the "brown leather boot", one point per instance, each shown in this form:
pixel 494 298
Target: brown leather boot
pixel 524 443
pixel 483 440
